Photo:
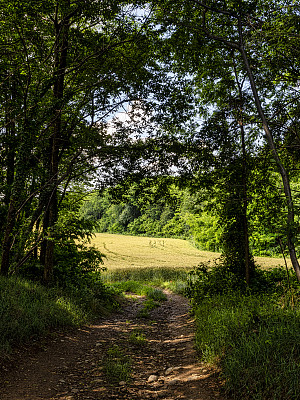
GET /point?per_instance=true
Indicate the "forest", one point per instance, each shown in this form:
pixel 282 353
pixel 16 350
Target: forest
pixel 152 118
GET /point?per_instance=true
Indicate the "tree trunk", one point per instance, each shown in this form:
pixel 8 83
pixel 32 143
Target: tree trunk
pixel 281 169
pixel 17 193
pixel 60 64
pixel 7 240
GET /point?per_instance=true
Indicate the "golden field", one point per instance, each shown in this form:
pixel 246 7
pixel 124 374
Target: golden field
pixel 124 251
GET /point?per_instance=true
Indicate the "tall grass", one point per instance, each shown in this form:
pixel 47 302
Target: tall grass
pixel 255 340
pixel 174 279
pixel 29 310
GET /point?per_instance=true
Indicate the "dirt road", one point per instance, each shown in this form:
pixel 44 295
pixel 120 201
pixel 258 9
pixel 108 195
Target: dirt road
pixel 70 366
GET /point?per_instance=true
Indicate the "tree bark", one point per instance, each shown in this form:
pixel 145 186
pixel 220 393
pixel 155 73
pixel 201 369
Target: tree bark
pixel 60 64
pixel 269 137
pixel 281 169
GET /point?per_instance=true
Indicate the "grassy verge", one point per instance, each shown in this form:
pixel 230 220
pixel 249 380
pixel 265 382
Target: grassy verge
pixel 29 310
pixel 174 279
pixel 251 335
pixel 255 341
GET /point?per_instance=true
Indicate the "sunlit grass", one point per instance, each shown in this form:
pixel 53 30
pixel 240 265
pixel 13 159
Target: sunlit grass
pixel 123 252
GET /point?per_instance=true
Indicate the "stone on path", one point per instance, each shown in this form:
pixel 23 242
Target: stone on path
pixel 152 378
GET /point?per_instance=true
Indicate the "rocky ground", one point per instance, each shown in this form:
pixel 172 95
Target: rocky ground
pixel 71 366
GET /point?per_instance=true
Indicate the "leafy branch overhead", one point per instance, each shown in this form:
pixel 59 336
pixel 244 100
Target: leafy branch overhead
pixel 115 93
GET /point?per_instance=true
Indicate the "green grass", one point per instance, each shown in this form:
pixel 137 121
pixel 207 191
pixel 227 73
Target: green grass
pixel 29 310
pixel 155 294
pixel 255 342
pixel 117 365
pixel 137 337
pixel 148 306
pixel 174 279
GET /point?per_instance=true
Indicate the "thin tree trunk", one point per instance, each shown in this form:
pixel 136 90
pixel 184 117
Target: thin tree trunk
pixel 282 171
pixel 7 239
pixel 60 64
pixel 244 179
pixel 245 208
pixel 16 195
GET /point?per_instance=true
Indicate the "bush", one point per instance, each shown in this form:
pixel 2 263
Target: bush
pixel 205 282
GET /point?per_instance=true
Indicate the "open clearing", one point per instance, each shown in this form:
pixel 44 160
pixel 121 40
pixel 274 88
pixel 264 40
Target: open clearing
pixel 124 251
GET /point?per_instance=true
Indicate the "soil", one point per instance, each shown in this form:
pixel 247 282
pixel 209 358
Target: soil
pixel 69 366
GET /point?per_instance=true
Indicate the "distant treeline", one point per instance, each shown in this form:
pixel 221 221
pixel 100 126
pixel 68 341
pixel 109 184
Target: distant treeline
pixel 180 214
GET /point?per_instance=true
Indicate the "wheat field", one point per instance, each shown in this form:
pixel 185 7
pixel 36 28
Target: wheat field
pixel 123 251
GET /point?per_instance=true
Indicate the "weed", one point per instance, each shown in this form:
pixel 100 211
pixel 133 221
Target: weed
pixel 117 365
pixel 137 338
pixel 148 306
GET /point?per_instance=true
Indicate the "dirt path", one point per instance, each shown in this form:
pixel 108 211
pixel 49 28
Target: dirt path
pixel 70 367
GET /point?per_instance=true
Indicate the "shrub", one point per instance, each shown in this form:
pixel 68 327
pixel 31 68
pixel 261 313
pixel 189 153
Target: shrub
pixel 205 282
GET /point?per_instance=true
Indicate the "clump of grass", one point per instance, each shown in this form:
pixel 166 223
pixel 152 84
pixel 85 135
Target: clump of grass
pixel 117 365
pixel 148 306
pixel 156 294
pixel 137 338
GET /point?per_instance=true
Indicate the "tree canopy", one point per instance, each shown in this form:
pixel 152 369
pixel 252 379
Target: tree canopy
pixel 210 89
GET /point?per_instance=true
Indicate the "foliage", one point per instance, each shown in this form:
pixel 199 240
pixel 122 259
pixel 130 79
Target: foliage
pixel 69 69
pixel 246 104
pixel 249 331
pixel 203 217
pixel 206 282
pixel 78 265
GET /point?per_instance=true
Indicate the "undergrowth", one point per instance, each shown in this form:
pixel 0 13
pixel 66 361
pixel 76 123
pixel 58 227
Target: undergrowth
pixel 251 334
pixel 29 310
